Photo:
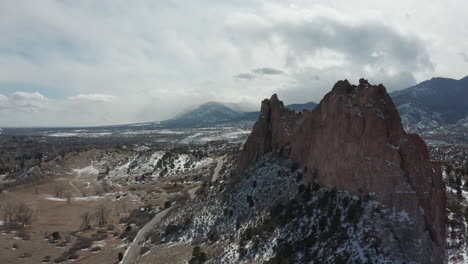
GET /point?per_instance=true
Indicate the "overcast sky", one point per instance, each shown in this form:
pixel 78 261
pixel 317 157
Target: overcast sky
pixel 103 62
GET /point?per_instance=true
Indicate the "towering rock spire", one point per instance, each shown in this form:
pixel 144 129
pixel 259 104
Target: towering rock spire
pixel 354 141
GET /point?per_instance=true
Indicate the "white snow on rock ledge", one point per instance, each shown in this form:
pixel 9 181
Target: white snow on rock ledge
pixel 90 170
pixel 78 199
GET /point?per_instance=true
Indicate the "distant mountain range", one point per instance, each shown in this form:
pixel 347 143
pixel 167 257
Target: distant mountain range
pixel 205 114
pixel 213 113
pixel 428 105
pixel 439 105
pixel 433 103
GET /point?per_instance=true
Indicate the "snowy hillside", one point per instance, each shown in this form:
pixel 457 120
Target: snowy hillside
pixel 154 164
pixel 267 216
pixel 432 103
pixel 209 113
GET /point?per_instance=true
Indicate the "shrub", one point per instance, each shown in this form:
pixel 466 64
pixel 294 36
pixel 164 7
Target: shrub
pixel 250 201
pixel 355 210
pixel 144 249
pixel 74 255
pixel 198 256
pixel 284 252
pixel 277 210
pixel 81 243
pixel 306 193
pixel 323 199
pixel 56 235
pixel 213 235
pixel 171 229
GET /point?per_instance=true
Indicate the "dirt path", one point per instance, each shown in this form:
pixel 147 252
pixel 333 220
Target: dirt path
pixel 73 185
pixel 193 191
pixel 133 252
pixel 218 168
pixel 79 173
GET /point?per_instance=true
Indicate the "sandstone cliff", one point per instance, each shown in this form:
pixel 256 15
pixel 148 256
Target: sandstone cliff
pixel 354 141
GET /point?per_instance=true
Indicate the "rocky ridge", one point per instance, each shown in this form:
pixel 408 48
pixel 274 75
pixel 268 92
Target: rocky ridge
pixel 354 141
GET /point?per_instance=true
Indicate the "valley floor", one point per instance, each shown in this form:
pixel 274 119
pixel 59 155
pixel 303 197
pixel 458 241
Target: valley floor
pixel 123 188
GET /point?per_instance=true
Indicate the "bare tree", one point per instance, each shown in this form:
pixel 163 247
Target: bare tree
pixel 106 187
pixel 68 196
pixel 82 190
pixel 23 214
pixel 122 206
pixel 98 190
pixel 117 207
pixel 103 210
pixel 86 219
pixel 8 211
pixel 59 189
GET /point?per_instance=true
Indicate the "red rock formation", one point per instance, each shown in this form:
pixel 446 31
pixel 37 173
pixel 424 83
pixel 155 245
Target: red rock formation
pixel 354 140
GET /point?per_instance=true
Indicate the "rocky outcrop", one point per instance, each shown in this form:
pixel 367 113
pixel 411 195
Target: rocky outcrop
pixel 354 141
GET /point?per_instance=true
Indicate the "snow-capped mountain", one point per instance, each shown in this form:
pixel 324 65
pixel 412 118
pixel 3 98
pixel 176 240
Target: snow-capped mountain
pixel 433 103
pixel 217 113
pixel 208 113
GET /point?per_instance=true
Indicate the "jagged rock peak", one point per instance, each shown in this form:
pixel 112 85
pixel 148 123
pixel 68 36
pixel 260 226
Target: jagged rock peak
pixel 354 141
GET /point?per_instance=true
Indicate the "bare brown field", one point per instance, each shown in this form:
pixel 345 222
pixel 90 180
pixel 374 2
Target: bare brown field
pixel 54 214
pixel 75 176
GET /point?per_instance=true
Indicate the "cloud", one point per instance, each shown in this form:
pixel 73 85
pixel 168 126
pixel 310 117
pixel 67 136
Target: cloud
pixel 267 71
pixel 317 51
pixel 258 72
pixel 366 43
pixel 245 76
pixel 3 99
pixel 25 97
pixel 148 60
pixel 94 97
pixel 23 101
pixel 322 41
pixel 464 56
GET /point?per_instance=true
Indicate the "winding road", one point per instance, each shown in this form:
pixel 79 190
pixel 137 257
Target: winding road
pixel 218 168
pixel 132 254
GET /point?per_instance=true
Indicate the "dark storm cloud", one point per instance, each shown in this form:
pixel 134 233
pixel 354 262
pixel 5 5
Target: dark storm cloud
pixel 365 43
pixel 258 72
pixel 175 53
pixel 318 51
pixel 267 71
pixel 244 76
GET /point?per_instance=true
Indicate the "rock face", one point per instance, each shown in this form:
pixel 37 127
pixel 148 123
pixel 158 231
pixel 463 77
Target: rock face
pixel 354 141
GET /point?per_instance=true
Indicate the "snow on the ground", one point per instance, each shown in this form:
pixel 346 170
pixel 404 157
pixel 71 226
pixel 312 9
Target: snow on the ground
pixel 64 134
pixel 87 198
pixel 55 199
pixel 78 199
pixel 98 244
pixel 90 170
pixel 79 134
pixel 170 132
pixel 157 164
